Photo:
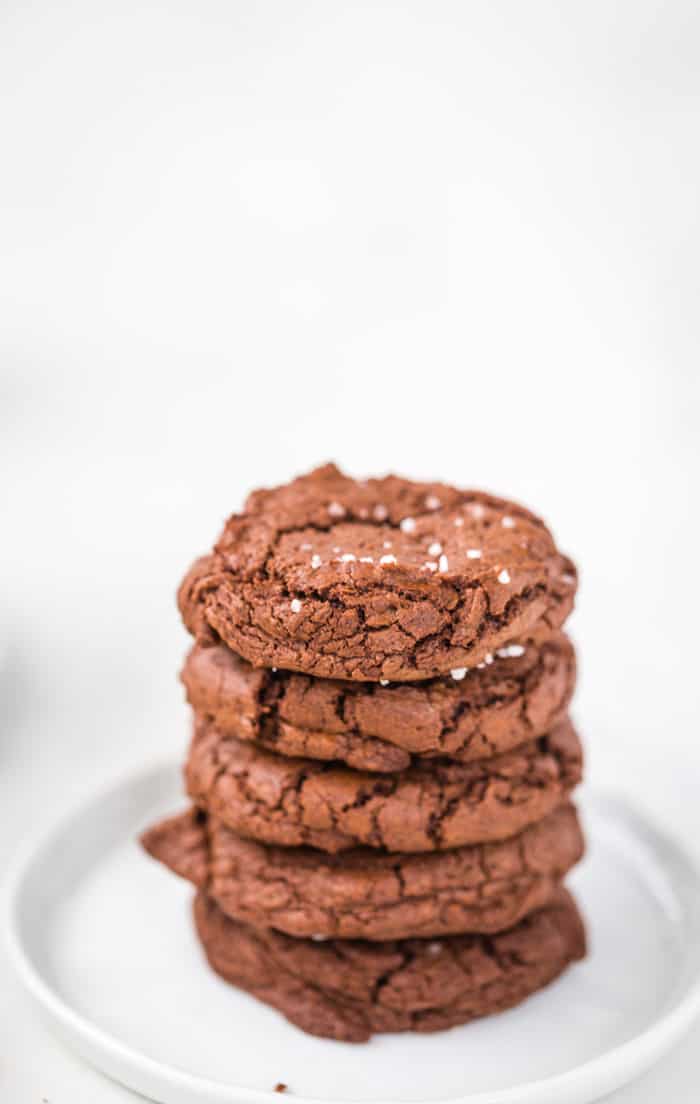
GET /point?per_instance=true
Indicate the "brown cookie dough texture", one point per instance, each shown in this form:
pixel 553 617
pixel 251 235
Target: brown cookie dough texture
pixel 367 894
pixel 521 693
pixel 351 990
pixel 380 579
pixel 431 806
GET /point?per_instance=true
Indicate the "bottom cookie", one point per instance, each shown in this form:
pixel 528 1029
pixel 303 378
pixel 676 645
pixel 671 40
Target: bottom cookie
pixel 350 990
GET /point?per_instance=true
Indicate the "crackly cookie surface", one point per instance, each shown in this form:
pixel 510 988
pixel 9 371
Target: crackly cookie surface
pixel 368 894
pixel 350 990
pixel 429 806
pixel 521 692
pixel 376 579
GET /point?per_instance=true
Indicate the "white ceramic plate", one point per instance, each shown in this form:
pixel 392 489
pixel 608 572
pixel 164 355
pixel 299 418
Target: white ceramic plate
pixel 101 936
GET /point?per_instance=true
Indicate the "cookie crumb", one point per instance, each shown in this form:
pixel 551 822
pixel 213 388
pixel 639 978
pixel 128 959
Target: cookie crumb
pixel 458 673
pixel 473 553
pixel 432 502
pixel 435 549
pixel 387 559
pixel 504 576
pixel 336 510
pixel 295 605
pixel 443 564
pixel 380 513
pixel 281 1087
pixel 408 525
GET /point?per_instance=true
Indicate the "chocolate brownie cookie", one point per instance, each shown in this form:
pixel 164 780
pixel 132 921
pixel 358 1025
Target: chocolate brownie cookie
pixel 350 990
pixel 521 692
pixel 430 806
pixel 381 579
pixel 368 894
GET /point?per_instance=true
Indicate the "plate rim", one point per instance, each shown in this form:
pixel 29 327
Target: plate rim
pixel 610 1070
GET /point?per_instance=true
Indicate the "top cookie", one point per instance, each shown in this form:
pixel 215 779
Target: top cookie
pixel 376 579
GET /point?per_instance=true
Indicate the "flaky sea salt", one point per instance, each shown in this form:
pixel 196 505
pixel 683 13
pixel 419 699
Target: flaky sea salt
pixel 336 510
pixel 429 565
pixel 473 553
pixel 387 559
pixel 432 502
pixel 384 682
pixel 508 522
pixel 443 564
pixel 476 510
pixel 315 561
pixel 458 673
pixel 366 559
pixel 408 525
pixel 380 513
pixel 348 557
pixel 510 651
pixel 435 549
pixel 295 605
pixel 504 576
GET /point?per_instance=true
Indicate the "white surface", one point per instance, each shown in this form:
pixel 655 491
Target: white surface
pixel 452 239
pixel 108 950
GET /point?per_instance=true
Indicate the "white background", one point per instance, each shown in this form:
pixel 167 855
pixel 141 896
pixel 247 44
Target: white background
pixel 455 240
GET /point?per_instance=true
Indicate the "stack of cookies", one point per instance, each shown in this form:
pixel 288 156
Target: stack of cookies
pixel 382 762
